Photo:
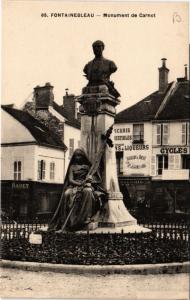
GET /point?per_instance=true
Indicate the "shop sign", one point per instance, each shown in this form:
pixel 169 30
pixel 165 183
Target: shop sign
pixel 172 150
pixel 123 137
pixel 121 147
pixel 122 130
pixel 136 161
pixel 20 186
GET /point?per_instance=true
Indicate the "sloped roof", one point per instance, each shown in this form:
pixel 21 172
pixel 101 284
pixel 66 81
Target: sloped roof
pixel 40 132
pixel 69 119
pixel 144 110
pixel 178 104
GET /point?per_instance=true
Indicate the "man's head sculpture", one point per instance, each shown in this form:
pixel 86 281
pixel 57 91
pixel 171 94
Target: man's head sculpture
pixel 98 47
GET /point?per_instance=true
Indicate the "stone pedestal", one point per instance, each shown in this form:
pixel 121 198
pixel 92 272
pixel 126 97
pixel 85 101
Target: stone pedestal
pixel 97 115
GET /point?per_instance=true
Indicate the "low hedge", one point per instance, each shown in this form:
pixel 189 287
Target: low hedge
pixel 103 249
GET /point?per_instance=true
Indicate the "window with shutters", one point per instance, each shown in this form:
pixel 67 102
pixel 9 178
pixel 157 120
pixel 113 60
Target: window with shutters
pixel 165 134
pixel 183 133
pixel 41 169
pixel 158 134
pixel 162 163
pixel 119 162
pixel 138 133
pixel 52 170
pixel 162 134
pixel 71 147
pixel 17 170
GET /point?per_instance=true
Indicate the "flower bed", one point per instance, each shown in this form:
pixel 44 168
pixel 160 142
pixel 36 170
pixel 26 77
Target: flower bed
pixel 105 249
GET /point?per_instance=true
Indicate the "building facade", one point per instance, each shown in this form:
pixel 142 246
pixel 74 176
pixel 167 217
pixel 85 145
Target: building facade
pixel 152 141
pixel 32 164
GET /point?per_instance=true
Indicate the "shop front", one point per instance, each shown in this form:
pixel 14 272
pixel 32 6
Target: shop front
pixel 136 192
pixel 144 195
pixel 28 199
pixel 171 196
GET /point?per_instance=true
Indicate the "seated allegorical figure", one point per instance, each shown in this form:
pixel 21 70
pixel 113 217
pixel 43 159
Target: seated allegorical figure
pixel 82 196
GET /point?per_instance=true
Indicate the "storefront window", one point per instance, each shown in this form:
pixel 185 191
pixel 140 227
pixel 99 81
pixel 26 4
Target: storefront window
pixel 140 198
pixel 43 205
pixel 162 163
pixel 23 207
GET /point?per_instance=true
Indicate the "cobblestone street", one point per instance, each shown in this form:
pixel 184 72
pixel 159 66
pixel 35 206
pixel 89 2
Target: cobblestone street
pixel 18 283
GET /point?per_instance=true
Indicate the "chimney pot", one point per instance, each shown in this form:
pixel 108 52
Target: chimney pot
pixel 164 62
pixel 163 76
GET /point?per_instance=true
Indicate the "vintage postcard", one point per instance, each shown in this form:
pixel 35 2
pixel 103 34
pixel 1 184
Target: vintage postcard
pixel 95 149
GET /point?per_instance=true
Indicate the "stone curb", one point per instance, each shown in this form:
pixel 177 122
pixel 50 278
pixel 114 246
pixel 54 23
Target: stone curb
pixel 145 269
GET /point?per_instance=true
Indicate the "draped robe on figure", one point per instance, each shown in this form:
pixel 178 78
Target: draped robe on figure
pixel 87 199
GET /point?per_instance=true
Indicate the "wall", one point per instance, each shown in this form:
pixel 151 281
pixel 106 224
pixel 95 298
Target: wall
pixel 25 154
pixel 29 156
pixel 136 157
pixel 50 155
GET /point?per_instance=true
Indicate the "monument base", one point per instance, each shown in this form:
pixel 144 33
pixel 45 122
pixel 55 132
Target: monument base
pixel 114 218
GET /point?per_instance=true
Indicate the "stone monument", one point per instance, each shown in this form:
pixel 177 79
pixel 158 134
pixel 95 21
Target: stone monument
pixel 91 197
pixel 97 108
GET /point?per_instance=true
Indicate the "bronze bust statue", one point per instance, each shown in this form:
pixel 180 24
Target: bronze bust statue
pixel 98 70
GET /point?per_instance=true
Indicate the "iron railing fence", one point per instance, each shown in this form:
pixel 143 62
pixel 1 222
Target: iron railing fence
pixel 172 231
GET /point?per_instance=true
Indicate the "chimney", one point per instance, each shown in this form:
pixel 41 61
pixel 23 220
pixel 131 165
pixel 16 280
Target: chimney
pixel 69 104
pixel 163 76
pixel 43 96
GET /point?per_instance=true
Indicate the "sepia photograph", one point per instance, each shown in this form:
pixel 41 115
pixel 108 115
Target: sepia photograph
pixel 95 150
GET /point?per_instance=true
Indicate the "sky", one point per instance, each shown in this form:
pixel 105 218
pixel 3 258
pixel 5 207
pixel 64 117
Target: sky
pixel 37 49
